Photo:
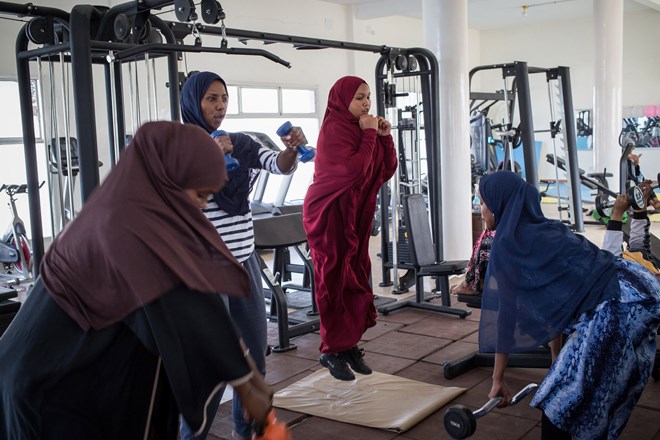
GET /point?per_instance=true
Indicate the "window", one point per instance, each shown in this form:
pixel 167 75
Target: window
pixel 259 100
pixel 12 162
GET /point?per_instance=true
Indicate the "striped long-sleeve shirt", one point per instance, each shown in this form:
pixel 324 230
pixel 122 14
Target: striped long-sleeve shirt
pixel 237 231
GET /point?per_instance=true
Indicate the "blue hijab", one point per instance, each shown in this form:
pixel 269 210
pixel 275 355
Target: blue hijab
pixel 234 197
pixel 192 93
pixel 540 275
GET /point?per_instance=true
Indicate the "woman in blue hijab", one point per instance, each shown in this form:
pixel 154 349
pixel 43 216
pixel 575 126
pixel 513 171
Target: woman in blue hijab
pixel 544 281
pixel 204 102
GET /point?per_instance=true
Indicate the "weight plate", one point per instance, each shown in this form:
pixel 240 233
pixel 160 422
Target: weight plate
pixel 460 422
pixel 37 31
pixel 122 26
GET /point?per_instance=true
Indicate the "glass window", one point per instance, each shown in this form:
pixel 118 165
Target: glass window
pixel 234 98
pixel 10 113
pixel 12 154
pixel 298 101
pixel 255 100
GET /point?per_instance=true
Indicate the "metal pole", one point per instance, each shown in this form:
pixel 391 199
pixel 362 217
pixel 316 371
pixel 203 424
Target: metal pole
pixel 570 139
pixel 526 123
pixel 30 149
pixel 83 98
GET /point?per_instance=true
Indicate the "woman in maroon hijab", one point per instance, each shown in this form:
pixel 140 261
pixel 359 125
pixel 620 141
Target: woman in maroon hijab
pixel 125 328
pixel 355 156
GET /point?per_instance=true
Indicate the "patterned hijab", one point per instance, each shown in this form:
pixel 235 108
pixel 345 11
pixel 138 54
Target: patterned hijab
pixel 140 235
pixel 540 275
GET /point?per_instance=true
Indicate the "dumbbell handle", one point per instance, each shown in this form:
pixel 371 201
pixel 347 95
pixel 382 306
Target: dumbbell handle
pixel 230 161
pixel 492 403
pixel 306 153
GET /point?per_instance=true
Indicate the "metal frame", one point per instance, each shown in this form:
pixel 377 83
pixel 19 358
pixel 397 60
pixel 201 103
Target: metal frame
pixel 520 71
pixel 428 72
pixel 84 52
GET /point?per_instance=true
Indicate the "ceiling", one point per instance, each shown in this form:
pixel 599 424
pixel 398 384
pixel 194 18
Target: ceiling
pixel 492 14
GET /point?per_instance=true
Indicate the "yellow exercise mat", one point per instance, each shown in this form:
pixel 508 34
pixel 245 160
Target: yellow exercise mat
pixel 377 400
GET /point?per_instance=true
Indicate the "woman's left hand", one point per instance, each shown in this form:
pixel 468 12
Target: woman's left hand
pixel 384 127
pixel 294 139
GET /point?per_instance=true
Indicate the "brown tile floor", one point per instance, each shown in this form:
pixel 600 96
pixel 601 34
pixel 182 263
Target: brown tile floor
pixel 414 344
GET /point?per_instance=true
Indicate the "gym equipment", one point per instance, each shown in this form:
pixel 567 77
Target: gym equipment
pixel 635 198
pixel 85 37
pixel 274 429
pixel 408 101
pixel 461 421
pixel 306 153
pixel 232 164
pixel 276 233
pixel 424 262
pixel 537 358
pixel 15 250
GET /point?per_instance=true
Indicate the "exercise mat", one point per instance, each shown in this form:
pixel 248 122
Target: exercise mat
pixel 377 400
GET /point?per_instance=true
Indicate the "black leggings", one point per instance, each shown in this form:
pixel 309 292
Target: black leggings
pixel 550 432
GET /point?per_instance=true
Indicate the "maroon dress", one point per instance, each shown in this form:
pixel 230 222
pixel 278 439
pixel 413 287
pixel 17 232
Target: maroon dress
pixel 350 167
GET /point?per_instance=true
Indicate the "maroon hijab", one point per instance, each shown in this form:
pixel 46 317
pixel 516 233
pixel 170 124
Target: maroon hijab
pixel 140 235
pixel 346 157
pixel 349 168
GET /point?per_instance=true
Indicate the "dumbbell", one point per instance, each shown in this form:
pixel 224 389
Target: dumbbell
pixel 306 153
pixel 230 161
pixel 635 198
pixel 461 421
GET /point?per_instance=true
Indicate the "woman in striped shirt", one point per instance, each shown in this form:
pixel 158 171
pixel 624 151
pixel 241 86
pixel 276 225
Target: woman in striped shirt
pixel 204 102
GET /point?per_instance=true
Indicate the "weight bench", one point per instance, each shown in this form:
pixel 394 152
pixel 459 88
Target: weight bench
pixel 593 181
pixel 282 260
pixel 539 358
pixel 277 233
pixel 424 262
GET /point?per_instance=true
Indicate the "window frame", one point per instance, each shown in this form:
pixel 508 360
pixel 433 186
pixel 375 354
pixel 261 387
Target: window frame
pixel 280 113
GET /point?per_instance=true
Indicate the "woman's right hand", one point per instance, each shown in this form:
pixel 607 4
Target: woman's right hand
pixel 225 144
pixel 368 121
pixel 256 403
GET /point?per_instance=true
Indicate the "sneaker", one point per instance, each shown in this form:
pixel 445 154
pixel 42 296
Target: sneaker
pixel 337 366
pixel 355 358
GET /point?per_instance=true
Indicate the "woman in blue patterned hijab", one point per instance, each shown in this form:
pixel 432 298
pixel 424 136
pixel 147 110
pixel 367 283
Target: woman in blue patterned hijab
pixel 544 281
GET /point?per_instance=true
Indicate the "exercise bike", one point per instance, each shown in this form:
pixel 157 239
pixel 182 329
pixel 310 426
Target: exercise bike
pixel 15 249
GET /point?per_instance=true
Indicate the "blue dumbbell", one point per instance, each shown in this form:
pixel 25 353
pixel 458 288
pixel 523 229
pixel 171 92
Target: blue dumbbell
pixel 306 153
pixel 232 163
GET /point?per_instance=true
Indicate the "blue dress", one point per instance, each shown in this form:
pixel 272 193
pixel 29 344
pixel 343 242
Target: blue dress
pixel 606 361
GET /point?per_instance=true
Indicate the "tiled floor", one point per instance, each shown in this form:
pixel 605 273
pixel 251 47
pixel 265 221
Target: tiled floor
pixel 414 344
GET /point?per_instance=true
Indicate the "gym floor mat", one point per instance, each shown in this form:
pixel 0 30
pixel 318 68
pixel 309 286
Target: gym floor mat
pixel 378 400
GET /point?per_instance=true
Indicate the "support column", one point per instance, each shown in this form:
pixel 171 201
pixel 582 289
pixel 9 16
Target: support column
pixel 608 78
pixel 446 34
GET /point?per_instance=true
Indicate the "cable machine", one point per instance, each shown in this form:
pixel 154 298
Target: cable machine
pixel 120 37
pixel 409 85
pixel 564 139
